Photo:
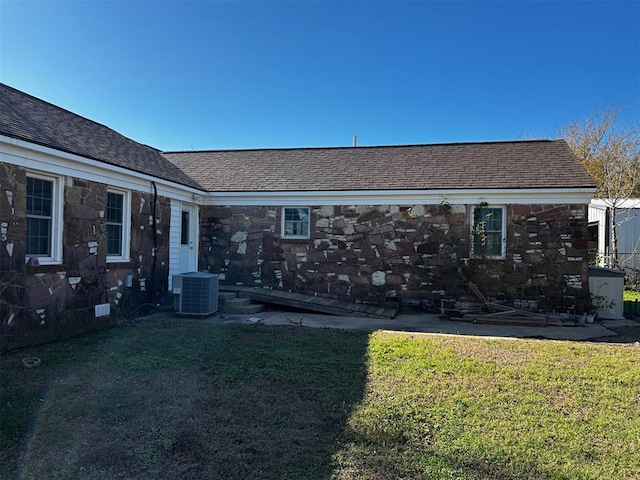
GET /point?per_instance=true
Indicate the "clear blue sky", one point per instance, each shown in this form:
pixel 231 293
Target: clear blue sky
pixel 209 75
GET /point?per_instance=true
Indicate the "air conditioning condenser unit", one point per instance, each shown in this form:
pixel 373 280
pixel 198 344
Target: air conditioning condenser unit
pixel 195 293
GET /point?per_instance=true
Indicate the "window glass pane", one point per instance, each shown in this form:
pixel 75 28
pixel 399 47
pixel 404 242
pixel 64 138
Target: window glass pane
pixel 45 206
pixel 296 214
pixel 114 207
pixel 115 217
pixel 494 243
pixel 184 232
pixel 493 219
pixel 38 236
pixel 39 195
pixel 39 216
pixel 288 228
pixel 296 222
pixel 114 239
pixel 488 232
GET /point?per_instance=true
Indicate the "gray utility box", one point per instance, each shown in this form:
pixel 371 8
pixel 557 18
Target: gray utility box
pixel 606 287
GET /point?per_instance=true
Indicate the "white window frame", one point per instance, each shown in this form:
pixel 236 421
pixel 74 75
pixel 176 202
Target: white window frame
pixel 284 234
pixel 126 226
pixel 503 242
pixel 57 202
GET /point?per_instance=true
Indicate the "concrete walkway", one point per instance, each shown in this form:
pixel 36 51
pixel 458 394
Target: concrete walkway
pixel 427 323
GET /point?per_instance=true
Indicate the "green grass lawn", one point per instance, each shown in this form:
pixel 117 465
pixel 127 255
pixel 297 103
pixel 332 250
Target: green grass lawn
pixel 177 399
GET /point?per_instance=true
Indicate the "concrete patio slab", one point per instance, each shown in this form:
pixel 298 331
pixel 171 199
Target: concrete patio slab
pixel 428 323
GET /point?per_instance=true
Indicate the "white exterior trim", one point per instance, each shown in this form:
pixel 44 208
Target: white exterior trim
pixel 37 157
pixel 628 230
pixel 597 214
pixel 282 223
pixel 57 213
pixel 191 250
pixel 603 204
pixel 174 240
pixel 503 240
pixel 126 226
pixel 175 230
pixel 404 197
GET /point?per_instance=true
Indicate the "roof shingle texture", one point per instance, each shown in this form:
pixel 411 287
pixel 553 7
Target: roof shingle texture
pixel 502 165
pixel 497 165
pixel 28 118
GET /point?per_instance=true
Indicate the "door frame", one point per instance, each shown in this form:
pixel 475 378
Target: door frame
pixel 192 237
pixel 175 247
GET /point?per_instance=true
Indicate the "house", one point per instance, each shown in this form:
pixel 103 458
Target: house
pixel 89 216
pixel 82 210
pixel 627 219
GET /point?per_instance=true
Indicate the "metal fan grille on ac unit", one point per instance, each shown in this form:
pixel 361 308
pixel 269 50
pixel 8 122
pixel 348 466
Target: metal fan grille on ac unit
pixel 196 293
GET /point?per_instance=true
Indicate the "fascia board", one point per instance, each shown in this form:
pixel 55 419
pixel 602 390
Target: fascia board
pixel 404 197
pixel 38 157
pixel 46 159
pixel 626 203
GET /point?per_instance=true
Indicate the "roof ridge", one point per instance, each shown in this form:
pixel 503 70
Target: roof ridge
pixel 360 147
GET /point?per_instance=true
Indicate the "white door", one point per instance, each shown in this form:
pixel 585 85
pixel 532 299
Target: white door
pixel 188 238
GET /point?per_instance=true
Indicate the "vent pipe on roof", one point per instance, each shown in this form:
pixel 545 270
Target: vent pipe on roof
pixel 355 140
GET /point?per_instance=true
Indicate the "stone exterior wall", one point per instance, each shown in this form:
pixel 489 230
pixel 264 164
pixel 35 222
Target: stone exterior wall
pixel 50 302
pixel 406 256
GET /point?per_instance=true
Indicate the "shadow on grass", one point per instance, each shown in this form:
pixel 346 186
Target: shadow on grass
pixel 179 399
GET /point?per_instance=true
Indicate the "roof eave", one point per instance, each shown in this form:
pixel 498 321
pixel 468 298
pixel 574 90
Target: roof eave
pixel 28 143
pixel 576 195
pixel 39 157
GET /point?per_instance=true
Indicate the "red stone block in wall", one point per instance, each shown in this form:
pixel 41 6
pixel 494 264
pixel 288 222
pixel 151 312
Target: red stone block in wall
pixel 580 244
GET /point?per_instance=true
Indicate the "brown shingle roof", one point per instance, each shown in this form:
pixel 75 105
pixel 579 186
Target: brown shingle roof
pixel 28 118
pixel 519 164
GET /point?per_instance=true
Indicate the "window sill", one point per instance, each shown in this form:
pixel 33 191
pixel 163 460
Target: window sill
pixel 488 257
pixel 296 239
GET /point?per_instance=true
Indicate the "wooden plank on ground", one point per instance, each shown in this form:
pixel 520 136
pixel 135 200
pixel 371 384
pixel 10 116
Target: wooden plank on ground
pixel 496 307
pixel 519 311
pixel 310 302
pixel 515 320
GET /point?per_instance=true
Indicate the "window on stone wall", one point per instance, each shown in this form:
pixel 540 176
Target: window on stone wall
pixel 489 232
pixel 118 219
pixel 44 223
pixel 295 222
